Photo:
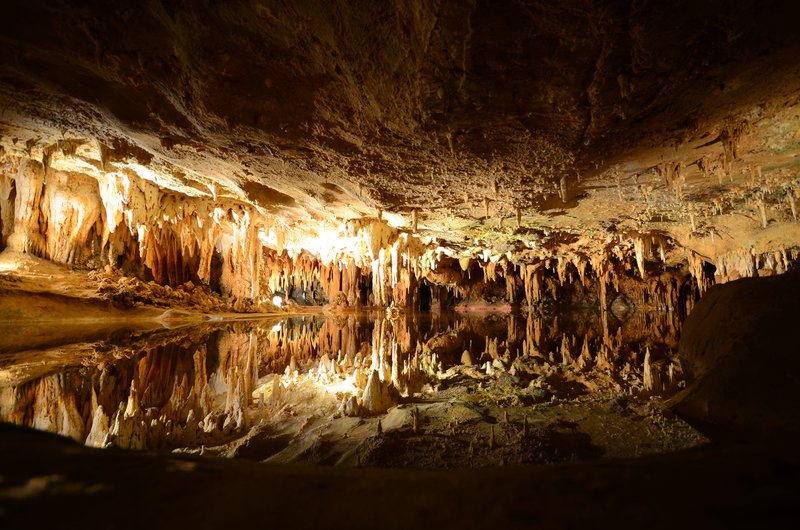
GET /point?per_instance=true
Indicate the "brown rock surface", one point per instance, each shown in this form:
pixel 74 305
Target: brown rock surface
pixel 739 346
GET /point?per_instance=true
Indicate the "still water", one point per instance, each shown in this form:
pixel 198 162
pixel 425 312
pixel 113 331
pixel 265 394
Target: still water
pixel 206 384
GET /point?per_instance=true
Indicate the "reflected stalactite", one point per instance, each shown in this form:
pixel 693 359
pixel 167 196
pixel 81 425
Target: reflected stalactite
pixel 174 393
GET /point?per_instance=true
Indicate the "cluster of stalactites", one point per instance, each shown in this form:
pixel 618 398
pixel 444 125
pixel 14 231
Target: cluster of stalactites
pixel 307 279
pixel 122 220
pixel 281 272
pixel 394 260
pixel 369 262
pixel 537 280
pixel 178 237
pixel 116 219
pixel 749 263
pixel 741 263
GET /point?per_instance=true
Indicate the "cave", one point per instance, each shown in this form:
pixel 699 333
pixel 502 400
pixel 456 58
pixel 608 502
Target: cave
pixel 473 263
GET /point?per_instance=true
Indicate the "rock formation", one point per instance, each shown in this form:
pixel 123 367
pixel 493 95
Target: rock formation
pixel 735 329
pixel 466 233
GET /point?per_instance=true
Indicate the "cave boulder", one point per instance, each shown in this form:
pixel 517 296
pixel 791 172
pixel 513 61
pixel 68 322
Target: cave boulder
pixel 741 353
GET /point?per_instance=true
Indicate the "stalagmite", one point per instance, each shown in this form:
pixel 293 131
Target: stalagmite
pixel 378 395
pixel 617 174
pixel 466 358
pixel 585 358
pixel 275 397
pixel 647 372
pixel 762 208
pixel 133 408
pixel 566 356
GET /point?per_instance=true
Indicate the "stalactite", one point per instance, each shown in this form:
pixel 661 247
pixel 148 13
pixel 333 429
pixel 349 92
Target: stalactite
pixel 730 138
pixel 641 247
pixel 603 273
pixel 532 283
pixel 678 179
pixel 697 264
pixel 71 207
pixel 7 200
pixel 511 287
pixel 26 233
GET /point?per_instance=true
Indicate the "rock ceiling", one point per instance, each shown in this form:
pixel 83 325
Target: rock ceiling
pixel 467 121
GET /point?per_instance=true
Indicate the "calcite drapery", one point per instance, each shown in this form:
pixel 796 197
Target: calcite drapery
pixel 112 216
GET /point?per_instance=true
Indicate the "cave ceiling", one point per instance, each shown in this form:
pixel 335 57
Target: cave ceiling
pixel 473 119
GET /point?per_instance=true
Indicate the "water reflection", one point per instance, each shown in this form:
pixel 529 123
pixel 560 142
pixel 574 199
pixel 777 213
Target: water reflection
pixel 205 385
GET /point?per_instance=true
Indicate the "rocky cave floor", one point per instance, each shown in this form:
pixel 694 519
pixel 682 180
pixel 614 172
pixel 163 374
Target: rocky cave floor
pixel 470 420
pixel 51 481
